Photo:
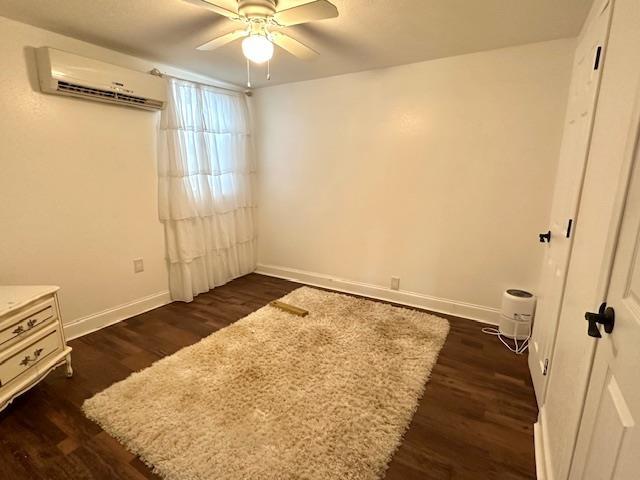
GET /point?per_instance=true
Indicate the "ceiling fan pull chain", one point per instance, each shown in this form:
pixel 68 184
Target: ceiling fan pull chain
pixel 248 74
pixel 268 69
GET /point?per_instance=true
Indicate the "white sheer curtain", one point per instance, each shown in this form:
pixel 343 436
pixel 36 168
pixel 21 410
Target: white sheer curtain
pixel 205 188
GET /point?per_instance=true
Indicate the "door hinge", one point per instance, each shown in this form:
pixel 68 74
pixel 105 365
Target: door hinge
pixel 569 227
pixel 596 64
pixel 546 367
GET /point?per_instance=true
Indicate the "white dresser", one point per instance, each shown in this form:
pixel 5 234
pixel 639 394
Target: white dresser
pixel 32 340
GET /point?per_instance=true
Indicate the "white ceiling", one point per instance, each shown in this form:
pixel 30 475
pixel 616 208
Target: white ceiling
pixel 368 33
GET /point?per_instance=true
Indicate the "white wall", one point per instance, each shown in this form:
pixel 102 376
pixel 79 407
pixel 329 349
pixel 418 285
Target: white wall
pixel 440 173
pixel 77 185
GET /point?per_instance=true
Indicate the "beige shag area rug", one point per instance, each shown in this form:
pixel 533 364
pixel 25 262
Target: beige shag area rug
pixel 277 396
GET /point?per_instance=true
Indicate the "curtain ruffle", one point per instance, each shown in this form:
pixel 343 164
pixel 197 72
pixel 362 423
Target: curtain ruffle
pixel 203 195
pixel 196 237
pixel 187 280
pixel 188 152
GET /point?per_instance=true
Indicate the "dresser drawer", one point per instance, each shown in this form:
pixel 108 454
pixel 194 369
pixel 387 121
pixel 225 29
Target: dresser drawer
pixel 29 354
pixel 25 322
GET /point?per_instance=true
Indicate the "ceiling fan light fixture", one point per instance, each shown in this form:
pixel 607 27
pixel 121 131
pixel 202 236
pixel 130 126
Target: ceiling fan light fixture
pixel 257 48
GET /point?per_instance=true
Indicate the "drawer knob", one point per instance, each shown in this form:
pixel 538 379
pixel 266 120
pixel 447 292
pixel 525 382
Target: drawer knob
pixel 28 359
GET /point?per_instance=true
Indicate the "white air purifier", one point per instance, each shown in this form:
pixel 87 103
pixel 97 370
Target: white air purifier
pixel 516 314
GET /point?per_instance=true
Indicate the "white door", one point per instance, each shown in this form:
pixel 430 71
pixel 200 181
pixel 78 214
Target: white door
pixel 583 95
pixel 608 444
pixel 593 246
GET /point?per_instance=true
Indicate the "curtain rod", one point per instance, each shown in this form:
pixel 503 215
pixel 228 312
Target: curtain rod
pixel 158 73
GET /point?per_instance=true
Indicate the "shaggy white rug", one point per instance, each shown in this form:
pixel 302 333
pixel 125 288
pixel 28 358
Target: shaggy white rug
pixel 277 396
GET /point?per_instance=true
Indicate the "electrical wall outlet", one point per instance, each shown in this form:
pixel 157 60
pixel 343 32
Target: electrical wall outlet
pixel 138 265
pixel 395 283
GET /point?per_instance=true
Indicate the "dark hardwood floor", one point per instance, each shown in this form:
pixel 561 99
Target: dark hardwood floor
pixel 474 420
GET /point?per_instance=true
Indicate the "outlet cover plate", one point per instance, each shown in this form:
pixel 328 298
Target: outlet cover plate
pixel 138 265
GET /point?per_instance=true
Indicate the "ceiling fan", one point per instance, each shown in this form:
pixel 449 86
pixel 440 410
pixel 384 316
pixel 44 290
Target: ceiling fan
pixel 259 17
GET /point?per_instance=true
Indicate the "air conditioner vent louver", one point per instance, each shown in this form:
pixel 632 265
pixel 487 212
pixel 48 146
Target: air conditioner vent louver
pixel 84 91
pixel 116 97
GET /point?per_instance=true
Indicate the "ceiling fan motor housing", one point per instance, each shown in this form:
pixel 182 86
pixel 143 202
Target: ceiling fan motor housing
pixel 257 8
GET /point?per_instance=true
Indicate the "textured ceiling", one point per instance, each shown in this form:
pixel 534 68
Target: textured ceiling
pixel 367 34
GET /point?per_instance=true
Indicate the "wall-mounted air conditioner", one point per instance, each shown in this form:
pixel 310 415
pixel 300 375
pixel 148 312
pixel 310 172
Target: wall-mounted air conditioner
pixel 64 73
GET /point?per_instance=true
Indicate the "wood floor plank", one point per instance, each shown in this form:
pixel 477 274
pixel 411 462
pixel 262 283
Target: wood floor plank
pixel 473 422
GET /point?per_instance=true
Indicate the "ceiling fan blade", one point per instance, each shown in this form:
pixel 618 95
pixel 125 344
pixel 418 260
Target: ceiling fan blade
pixel 308 12
pixel 210 5
pixel 293 46
pixel 223 40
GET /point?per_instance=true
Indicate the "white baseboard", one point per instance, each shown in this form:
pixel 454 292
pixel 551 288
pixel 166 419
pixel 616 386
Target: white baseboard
pixel 440 305
pixel 544 470
pixel 96 321
pixel 539 452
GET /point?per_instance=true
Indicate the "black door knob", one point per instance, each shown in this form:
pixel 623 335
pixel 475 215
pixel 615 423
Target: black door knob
pixel 606 316
pixel 545 237
pixel 592 330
